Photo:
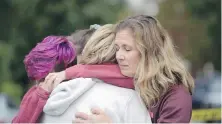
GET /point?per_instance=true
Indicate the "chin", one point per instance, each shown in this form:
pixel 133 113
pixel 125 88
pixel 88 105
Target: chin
pixel 127 74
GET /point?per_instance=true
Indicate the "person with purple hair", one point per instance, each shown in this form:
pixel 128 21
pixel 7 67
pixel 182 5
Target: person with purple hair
pixel 53 54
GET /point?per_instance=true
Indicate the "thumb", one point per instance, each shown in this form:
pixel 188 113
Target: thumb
pixel 97 111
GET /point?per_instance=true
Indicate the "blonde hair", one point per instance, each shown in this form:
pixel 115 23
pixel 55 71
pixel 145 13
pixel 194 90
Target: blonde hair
pixel 160 66
pixel 100 47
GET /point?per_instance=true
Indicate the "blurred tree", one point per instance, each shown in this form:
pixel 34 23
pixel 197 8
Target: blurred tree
pixel 190 34
pixel 209 11
pixel 26 22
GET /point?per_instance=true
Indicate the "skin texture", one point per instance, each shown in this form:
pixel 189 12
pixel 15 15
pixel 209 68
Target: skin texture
pixel 127 54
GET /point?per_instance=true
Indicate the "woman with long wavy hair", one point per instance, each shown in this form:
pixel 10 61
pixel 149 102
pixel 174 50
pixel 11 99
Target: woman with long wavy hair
pixel 146 53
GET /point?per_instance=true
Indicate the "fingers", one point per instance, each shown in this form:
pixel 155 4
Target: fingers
pixel 55 78
pixel 78 120
pixel 97 111
pixel 48 76
pixel 82 116
pixel 50 81
pixel 98 117
pixel 57 81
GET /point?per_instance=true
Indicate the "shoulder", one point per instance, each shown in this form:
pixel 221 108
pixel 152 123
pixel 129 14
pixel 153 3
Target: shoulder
pixel 76 81
pixel 78 85
pixel 178 96
pixel 176 105
pixel 178 91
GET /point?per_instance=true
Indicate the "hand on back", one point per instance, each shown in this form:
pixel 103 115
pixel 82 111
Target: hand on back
pixel 52 80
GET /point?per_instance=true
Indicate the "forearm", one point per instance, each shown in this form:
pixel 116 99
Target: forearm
pixel 109 73
pixel 31 106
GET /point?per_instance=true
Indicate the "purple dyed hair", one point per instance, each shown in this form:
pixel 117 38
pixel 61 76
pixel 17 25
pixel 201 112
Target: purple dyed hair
pixel 44 57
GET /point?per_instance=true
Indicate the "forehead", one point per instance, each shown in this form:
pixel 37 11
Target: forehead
pixel 125 36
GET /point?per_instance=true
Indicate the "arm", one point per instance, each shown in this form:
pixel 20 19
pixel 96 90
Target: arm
pixel 31 106
pixel 177 108
pixel 109 73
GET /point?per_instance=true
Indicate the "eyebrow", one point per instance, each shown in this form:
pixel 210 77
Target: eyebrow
pixel 127 46
pixel 124 45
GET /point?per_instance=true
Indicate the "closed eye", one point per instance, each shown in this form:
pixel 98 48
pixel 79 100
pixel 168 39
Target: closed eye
pixel 127 48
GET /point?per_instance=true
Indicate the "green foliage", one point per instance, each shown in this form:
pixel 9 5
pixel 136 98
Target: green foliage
pixel 195 29
pixel 209 11
pixel 26 22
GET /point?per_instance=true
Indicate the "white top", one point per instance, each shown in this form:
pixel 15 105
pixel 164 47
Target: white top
pixel 80 95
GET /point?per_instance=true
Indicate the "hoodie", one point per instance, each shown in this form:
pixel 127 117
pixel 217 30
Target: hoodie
pixel 80 95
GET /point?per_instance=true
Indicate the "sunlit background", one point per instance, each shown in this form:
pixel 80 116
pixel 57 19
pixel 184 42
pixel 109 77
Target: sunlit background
pixel 195 26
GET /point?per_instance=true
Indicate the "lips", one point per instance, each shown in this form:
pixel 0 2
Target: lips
pixel 123 66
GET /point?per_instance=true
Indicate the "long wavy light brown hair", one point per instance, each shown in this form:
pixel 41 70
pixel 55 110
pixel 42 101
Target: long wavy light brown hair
pixel 100 47
pixel 160 65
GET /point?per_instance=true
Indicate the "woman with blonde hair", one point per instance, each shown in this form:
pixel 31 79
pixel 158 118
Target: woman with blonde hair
pixel 146 53
pixel 81 94
pixel 53 54
pixel 160 76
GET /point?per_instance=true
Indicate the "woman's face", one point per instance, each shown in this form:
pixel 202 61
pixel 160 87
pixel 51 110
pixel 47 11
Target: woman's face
pixel 127 55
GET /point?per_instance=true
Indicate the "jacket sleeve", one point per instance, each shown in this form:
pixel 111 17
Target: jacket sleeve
pixel 109 73
pixel 136 111
pixel 31 106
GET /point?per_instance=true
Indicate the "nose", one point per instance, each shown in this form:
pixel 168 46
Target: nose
pixel 119 55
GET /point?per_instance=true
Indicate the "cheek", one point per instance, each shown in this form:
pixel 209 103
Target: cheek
pixel 134 60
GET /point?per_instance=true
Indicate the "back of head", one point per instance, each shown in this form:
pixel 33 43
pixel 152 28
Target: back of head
pixel 80 37
pixel 160 66
pixel 54 53
pixel 100 47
